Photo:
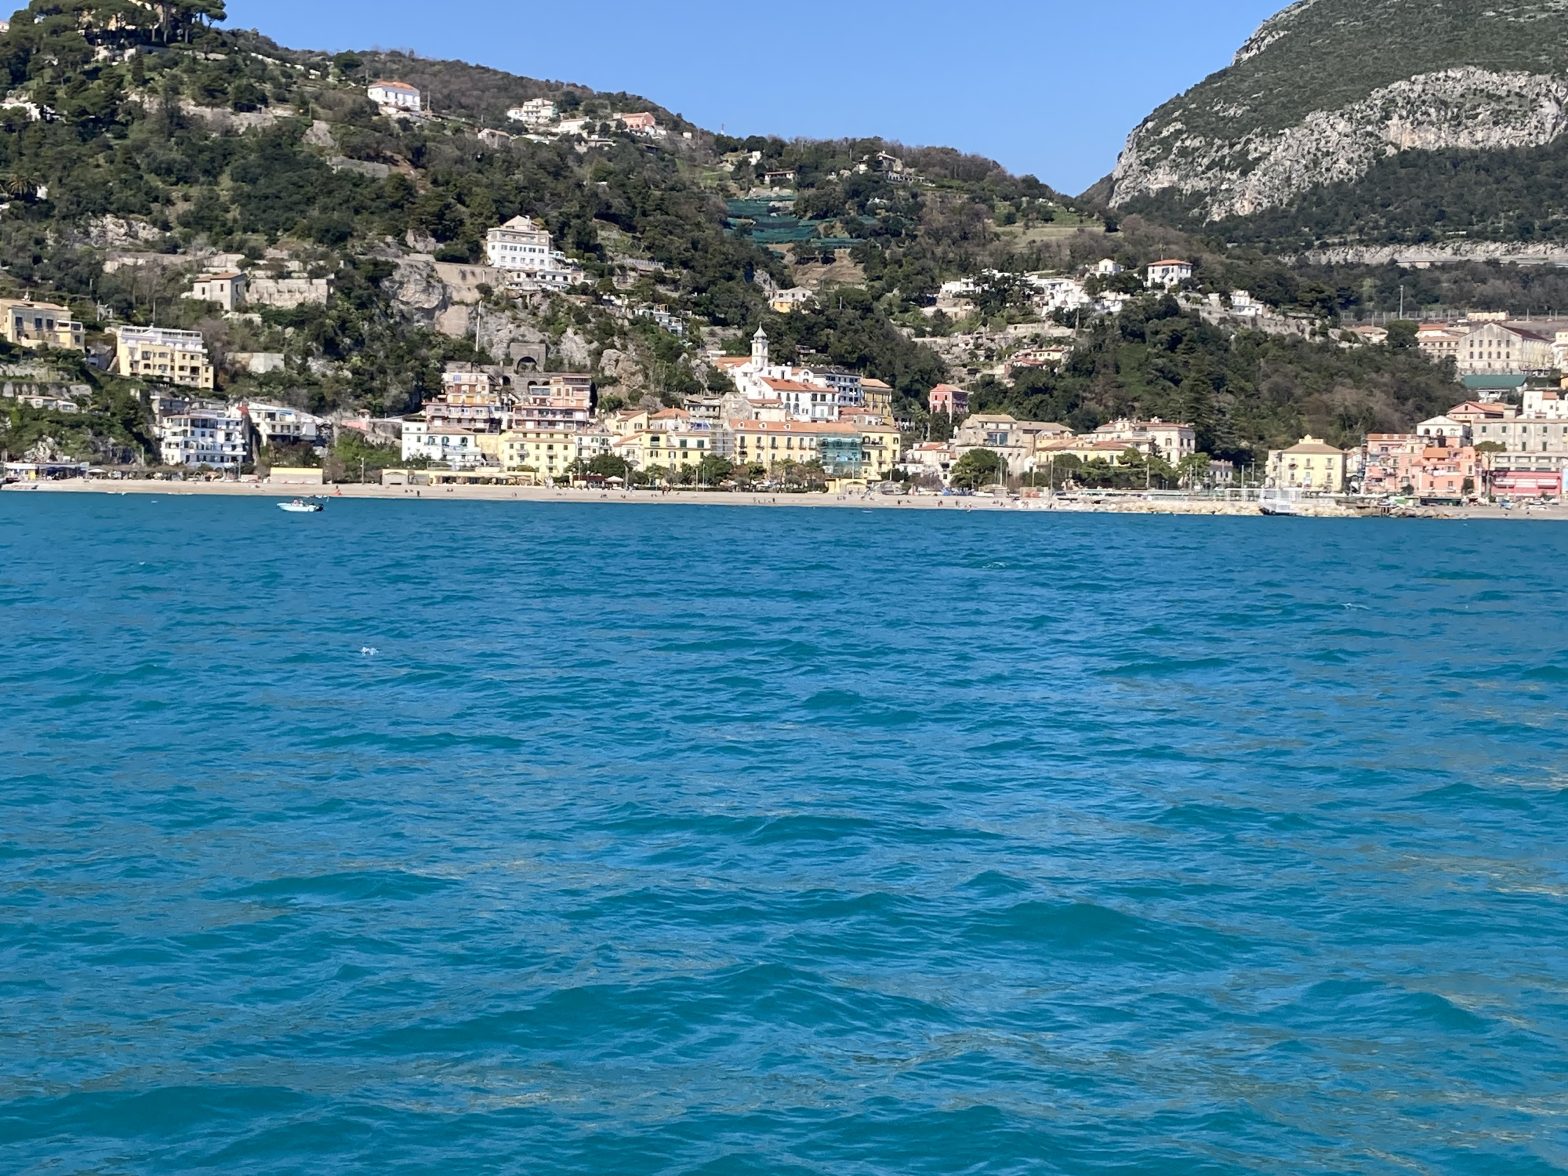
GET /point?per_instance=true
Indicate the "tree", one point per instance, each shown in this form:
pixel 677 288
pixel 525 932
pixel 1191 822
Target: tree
pixel 1402 334
pixel 977 468
pixel 713 469
pixel 605 465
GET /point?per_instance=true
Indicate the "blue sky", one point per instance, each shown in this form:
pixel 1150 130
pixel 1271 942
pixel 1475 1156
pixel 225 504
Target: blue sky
pixel 1043 86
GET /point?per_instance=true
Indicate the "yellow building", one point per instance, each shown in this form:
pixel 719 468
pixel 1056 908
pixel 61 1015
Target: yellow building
pixel 880 447
pixel 846 450
pixel 547 452
pixel 668 448
pixel 879 398
pixel 169 357
pixel 1310 465
pixel 41 324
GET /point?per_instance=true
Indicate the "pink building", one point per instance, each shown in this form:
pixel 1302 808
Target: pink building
pixel 1390 462
pixel 1447 472
pixel 946 400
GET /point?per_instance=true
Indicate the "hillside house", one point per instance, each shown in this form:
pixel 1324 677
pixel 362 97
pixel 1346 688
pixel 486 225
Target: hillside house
pixel 536 112
pixel 164 356
pixel 395 95
pixel 226 289
pixel 40 324
pixel 1168 274
pixel 523 250
pixel 948 400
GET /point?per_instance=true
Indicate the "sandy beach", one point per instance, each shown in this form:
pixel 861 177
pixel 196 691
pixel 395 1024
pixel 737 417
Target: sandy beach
pixel 1042 505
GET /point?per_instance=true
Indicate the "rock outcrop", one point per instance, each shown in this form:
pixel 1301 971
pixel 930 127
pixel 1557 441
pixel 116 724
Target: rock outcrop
pixel 1328 89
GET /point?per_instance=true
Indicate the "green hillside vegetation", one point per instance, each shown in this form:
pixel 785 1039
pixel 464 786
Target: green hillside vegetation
pixel 167 136
pixel 1418 197
pixel 1244 393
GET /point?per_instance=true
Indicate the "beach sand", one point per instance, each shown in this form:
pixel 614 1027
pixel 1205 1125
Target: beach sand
pixel 1042 505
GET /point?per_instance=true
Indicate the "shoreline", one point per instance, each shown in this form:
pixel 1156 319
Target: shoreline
pixel 949 505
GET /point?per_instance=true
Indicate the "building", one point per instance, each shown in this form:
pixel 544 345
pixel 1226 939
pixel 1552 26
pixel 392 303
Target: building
pixel 164 356
pixel 845 384
pixel 1473 412
pixel 536 112
pixel 1522 436
pixel 523 250
pixel 947 400
pixel 1440 341
pixel 279 424
pixel 670 440
pixel 1310 465
pixel 1545 403
pixel 1163 439
pixel 804 402
pixel 1108 268
pixel 878 397
pixel 930 459
pixel 791 300
pixel 1499 348
pixel 1168 274
pixel 641 123
pixel 546 452
pixel 226 289
pixel 214 436
pixel 41 324
pixel 1387 461
pixel 1443 428
pixel 845 451
pixel 394 95
pixel 441 445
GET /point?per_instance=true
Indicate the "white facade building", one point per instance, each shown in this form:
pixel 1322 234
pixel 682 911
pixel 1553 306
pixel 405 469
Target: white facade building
pixel 279 424
pixel 1167 274
pixel 214 436
pixel 536 112
pixel 530 260
pixel 392 95
pixel 442 444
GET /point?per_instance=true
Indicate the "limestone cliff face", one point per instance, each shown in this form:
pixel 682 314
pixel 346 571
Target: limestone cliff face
pixel 1328 88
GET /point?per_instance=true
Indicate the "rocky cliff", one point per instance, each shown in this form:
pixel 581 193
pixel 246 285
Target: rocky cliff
pixel 1328 91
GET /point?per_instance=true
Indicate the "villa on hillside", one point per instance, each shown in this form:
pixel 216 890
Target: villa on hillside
pixel 394 95
pixel 1168 274
pixel 523 249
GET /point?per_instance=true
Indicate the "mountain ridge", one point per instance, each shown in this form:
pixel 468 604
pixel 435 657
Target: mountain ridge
pixel 1326 91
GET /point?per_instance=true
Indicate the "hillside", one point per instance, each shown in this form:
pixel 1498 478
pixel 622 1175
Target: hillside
pixel 146 141
pixel 148 146
pixel 1369 121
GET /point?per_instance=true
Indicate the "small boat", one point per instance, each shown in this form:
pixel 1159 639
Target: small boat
pixel 300 506
pixel 1280 503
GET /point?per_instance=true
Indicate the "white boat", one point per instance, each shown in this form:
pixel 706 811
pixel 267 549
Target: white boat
pixel 300 506
pixel 1280 503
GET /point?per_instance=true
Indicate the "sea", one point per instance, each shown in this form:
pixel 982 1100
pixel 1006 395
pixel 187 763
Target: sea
pixel 455 837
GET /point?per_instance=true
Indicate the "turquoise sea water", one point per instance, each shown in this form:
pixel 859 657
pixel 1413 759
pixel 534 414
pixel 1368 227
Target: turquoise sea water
pixel 728 841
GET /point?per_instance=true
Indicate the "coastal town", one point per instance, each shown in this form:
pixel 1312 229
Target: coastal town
pixel 761 422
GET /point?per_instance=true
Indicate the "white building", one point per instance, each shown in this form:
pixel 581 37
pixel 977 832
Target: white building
pixel 530 260
pixel 393 95
pixel 1056 293
pixel 279 424
pixel 536 112
pixel 1167 274
pixel 211 436
pixel 1442 428
pixel 1166 439
pixel 441 444
pixel 1107 268
pixel 804 402
pixel 1547 404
